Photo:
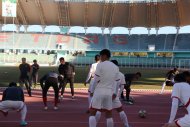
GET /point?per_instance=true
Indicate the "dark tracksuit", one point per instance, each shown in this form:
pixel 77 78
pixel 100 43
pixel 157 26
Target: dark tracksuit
pixel 24 78
pixel 13 94
pixel 67 71
pixel 34 76
pixel 50 79
pixel 127 87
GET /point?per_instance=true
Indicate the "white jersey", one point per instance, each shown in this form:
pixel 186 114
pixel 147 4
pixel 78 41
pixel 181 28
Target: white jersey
pixel 92 71
pixel 117 89
pixel 107 74
pixel 181 91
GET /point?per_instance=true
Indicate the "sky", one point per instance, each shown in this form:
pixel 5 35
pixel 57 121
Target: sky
pixel 97 30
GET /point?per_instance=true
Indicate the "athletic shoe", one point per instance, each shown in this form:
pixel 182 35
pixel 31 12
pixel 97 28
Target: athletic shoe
pixel 55 108
pixel 45 108
pixel 73 97
pixel 5 113
pixel 61 97
pixel 129 102
pixel 23 123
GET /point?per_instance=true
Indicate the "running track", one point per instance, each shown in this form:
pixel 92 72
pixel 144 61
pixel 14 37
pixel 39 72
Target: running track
pixel 71 113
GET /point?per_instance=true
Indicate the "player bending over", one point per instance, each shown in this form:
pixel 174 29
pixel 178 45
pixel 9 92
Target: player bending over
pixel 106 74
pixel 116 103
pixel 181 94
pixel 13 99
pixel 50 79
pixel 90 76
pixel 129 78
pixel 169 80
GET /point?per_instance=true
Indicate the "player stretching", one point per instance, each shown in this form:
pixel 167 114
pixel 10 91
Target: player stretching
pixel 106 74
pixel 181 94
pixel 117 89
pixel 24 78
pixel 13 99
pixel 50 79
pixel 91 76
pixel 35 68
pixel 129 78
pixel 169 80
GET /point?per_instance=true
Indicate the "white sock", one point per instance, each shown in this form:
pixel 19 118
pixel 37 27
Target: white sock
pixel 124 119
pixel 110 122
pixel 92 121
pixel 98 115
pixel 163 87
pixel 23 113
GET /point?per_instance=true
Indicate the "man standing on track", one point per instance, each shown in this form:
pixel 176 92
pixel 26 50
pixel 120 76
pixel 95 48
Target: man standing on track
pixel 68 71
pixel 90 76
pixel 24 78
pixel 105 76
pixel 13 99
pixel 34 76
pixel 129 78
pixel 50 79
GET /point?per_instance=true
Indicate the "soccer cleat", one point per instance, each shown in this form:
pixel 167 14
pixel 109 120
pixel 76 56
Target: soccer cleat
pixel 45 108
pixel 5 114
pixel 73 97
pixel 61 97
pixel 129 102
pixel 23 123
pixel 55 108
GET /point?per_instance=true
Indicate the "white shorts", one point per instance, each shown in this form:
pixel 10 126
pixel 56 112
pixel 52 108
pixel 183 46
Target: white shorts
pixel 6 106
pixel 183 122
pixel 102 100
pixel 116 103
pixel 90 84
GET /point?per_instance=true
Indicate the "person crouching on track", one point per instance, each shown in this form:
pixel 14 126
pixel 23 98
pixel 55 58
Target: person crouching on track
pixel 181 94
pixel 50 79
pixel 13 99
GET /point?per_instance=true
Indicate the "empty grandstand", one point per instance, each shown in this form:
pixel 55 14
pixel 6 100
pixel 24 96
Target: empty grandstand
pixel 143 50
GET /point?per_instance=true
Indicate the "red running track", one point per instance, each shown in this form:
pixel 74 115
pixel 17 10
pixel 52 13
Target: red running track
pixel 71 113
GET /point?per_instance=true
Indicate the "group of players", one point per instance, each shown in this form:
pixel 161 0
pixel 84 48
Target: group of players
pixel 105 90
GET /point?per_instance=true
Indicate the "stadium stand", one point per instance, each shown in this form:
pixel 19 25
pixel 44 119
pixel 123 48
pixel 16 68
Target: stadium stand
pixel 41 46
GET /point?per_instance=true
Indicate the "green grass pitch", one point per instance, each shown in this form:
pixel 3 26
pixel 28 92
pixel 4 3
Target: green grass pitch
pixel 151 78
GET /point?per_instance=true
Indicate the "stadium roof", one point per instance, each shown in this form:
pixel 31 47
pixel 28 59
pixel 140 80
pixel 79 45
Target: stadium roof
pixel 124 13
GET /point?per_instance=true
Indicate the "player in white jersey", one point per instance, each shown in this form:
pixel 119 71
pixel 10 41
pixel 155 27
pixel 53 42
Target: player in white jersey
pixel 106 74
pixel 91 74
pixel 116 103
pixel 181 94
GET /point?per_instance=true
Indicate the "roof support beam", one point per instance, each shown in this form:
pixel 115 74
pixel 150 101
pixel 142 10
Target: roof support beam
pixel 64 16
pixel 148 12
pixel 157 14
pixel 104 16
pixel 41 12
pixel 130 15
pixel 86 14
pixel 177 13
pixel 22 13
pixel 112 14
